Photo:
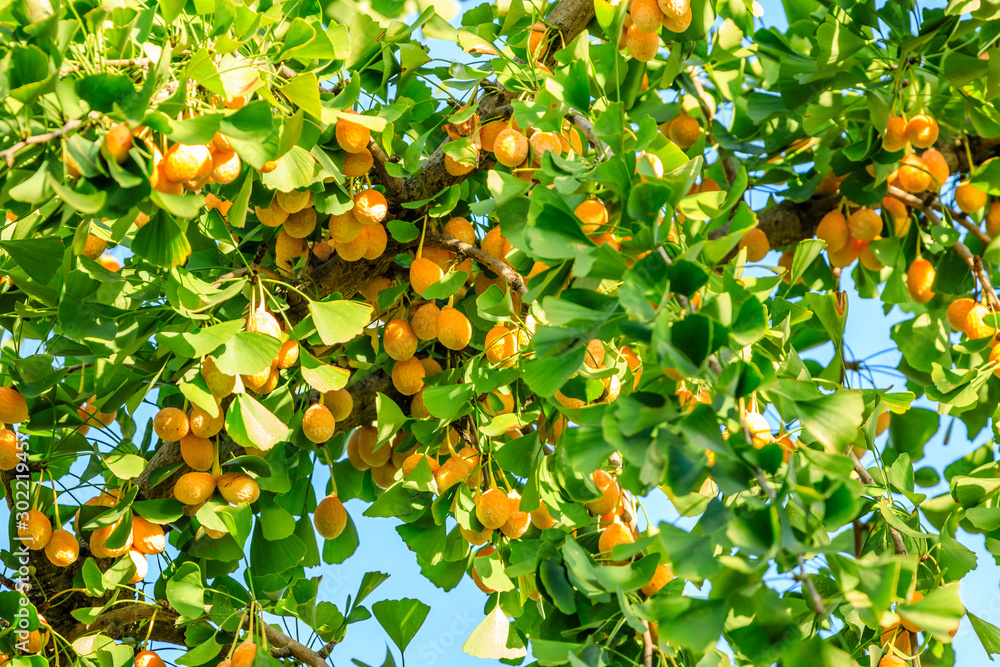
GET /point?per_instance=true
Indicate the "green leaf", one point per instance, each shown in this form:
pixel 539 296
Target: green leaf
pixel 162 242
pixel 989 634
pixel 247 353
pixel 448 402
pixel 401 619
pixel 339 321
pixel 93 579
pixel 389 418
pixel 198 343
pixel 250 424
pixel 186 593
pixel 303 91
pixel 40 258
pixel 125 466
pixel 276 521
pixel 322 377
pixel 489 639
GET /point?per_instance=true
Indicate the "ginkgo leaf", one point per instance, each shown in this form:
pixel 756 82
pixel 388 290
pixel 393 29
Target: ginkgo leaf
pixel 489 639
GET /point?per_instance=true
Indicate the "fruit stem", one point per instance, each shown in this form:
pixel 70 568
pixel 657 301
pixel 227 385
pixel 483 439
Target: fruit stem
pixel 55 500
pixel 216 467
pixel 333 480
pixel 149 630
pixel 423 232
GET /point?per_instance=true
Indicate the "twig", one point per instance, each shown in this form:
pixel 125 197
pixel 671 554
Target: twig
pixel 587 128
pixel 958 216
pixel 391 183
pixel 897 539
pixel 114 62
pixel 727 163
pixel 8 154
pixel 495 265
pixel 814 597
pixel 647 646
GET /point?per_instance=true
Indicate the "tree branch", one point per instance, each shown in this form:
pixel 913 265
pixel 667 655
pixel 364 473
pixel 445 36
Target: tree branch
pixel 9 153
pixel 897 539
pixel 495 265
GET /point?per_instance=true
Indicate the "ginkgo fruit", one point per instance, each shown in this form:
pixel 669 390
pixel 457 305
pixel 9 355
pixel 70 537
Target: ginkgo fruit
pixel 204 425
pixel 610 493
pixel 352 136
pixel 868 259
pixel 975 325
pixel 273 215
pixel 370 207
pixel 358 164
pixel 330 518
pixel 117 142
pixel 355 249
pixel 833 230
pixel 423 274
pixel 344 227
pixel 294 201
pixel 485 552
pixel 399 340
pixel 13 407
pixel 612 536
pixel 684 130
pixel 198 453
pixel 517 521
pixel 318 423
pixel 62 549
pixel 450 473
pixel 408 376
pixel 184 162
pixel 238 487
pixel 301 224
pixel 340 402
pixel 913 174
pixel 760 430
pixel 288 354
pixel 993 220
pixel 510 147
pixel 642 45
pixel 969 198
pixel 10 449
pixel 957 311
pixel 171 424
pixel 99 539
pixel 424 321
pixel 922 131
pixel 226 167
pixel 937 165
pixel 662 576
pixel 677 14
pixel 541 518
pixel 413 460
pixel 920 279
pixel 148 659
pixel 864 224
pixel 369 450
pixel 147 537
pixel 194 488
pixel 244 654
pixel 453 329
pixel 894 139
pixel 756 243
pixel 219 384
pixel 493 508
pixel 501 344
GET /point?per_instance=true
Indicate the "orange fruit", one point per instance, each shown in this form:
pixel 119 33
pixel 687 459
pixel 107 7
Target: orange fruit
pixel 117 142
pixel 756 243
pixel 975 327
pixel 461 229
pixel 355 249
pixel 148 659
pixel 399 340
pixel 642 45
pixel 141 568
pixel 384 476
pixel 183 163
pixel 301 224
pixel 377 240
pixel 882 422
pixel 244 654
pixel 896 636
pixel 913 174
pixel 543 142
pixel 760 430
pixel 62 549
pixel 262 322
pixel 147 537
pixel 957 312
pixel 370 207
pixel 684 130
pixel 510 147
pixel 892 661
pixel 238 487
pixel 868 258
pixel 495 245
pixel 938 166
pixel 450 473
pixel 273 215
pixel 358 164
pixel 13 408
pixel 536 41
pixel 833 230
pixel 612 536
pixel 94 247
pixel 10 449
pixel 203 425
pixel 424 321
pixel 220 143
pixel 677 14
pixel 225 167
pixel 894 139
pixel 517 521
pixel 318 423
pixel 352 136
pixel 197 453
pixel 482 553
pixel 920 279
pixel 993 219
pixel 219 384
pixel 898 213
pixel 110 263
pixel 595 354
pixel 864 224
pixel 423 274
pixel 194 488
pixel 340 403
pixel 541 518
pixel 294 201
pixel 653 161
pixel 493 509
pixel 288 354
pixel 846 255
pixel 970 198
pixel 35 530
pixel 662 576
pixel 408 376
pixel 610 493
pixel 171 424
pixel 501 344
pixel 922 131
pixel 593 214
pixel 322 250
pixel 646 15
pixel 353 453
pixel 411 462
pixel 367 441
pixel 330 518
pixel 453 328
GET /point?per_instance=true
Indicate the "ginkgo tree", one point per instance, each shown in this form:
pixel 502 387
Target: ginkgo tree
pixel 500 277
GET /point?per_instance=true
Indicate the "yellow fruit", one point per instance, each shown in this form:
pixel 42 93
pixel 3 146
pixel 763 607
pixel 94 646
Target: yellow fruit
pixel 756 243
pixel 370 207
pixel 892 661
pixel 352 251
pixel 461 229
pixel 501 344
pixel 141 568
pixel 288 354
pixel 117 142
pixel 187 163
pixel 612 536
pixel 225 167
pixel 424 321
pixel 171 424
pixel 377 240
pixel 411 462
pixel 10 449
pixel 882 422
pixel 920 279
pixel 642 45
pixel 970 198
pixel 367 442
pixel 759 429
pixel 677 14
pixel 975 327
pixel 344 227
pixel 423 274
pixel 340 403
pixel 913 174
pixel 541 518
pixel 194 488
pixel 510 147
pixel 493 509
pixel 198 453
pixel 922 131
pixel 868 258
pixel 846 255
pixel 662 576
pixel 399 340
pixel 864 224
pixel 453 329
pixel 898 213
pixel 593 214
pixel 301 224
pixel 62 549
pixel 219 384
pixel 684 130
pixel 238 487
pixel 244 654
pixel 472 537
pixel 318 423
pixel 273 215
pixel 352 136
pixel 203 425
pixel 957 312
pixel 294 201
pixel 262 322
pixel 358 164
pixel 610 493
pixel 408 376
pixel 894 139
pixel 147 537
pixel 938 166
pixel 482 553
pixel 451 472
pixel 13 408
pixel 94 247
pixel 330 518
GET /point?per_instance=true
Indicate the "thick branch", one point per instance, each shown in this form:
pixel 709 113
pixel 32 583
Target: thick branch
pixel 495 265
pixel 125 621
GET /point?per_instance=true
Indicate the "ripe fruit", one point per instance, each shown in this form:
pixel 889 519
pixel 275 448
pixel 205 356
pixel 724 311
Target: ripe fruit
pixel 367 441
pixel 536 40
pixel 13 408
pixel 117 142
pixel 472 537
pixel 612 536
pixel 894 139
pixel 273 215
pixel 377 241
pixel 461 229
pixel 914 597
pixel 148 659
pixel 593 214
pixel 543 142
pixel 647 15
pixel 344 227
pixel 760 430
pixel 63 548
pixel 684 130
pixel 194 488
pixel 642 45
pixel 288 354
pixel 993 219
pixel 384 476
pixel 482 553
pixel 864 224
pixel 355 249
pixel 898 213
pixel 517 521
pixel 662 576
pixel 34 529
pixel 318 423
pixel 510 148
pixel 340 403
pixel 226 167
pixel 370 207
pixel 913 174
pixel 399 340
pixel 244 654
pixel 957 311
pixel 424 321
pixel 204 425
pixel 756 243
pixel 541 518
pixel 868 258
pixel 501 344
pixel 147 537
pixel 920 279
pixel 330 517
pixel 408 376
pixel 938 167
pixel 493 509
pixel 198 453
pixel 10 449
pixel 453 329
pixel 846 255
pixel 423 274
pixel 301 224
pixel 970 198
pixel 187 163
pixel 833 230
pixel 352 136
pixel 109 262
pixel 171 424
pixel 451 472
pixel 610 493
pixel 294 201
pixel 922 131
pixel 238 487
pixel 894 635
pixel 358 164
pixel 411 462
pixel 219 384
pixel 974 326
pixel 141 566
pixel 677 14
